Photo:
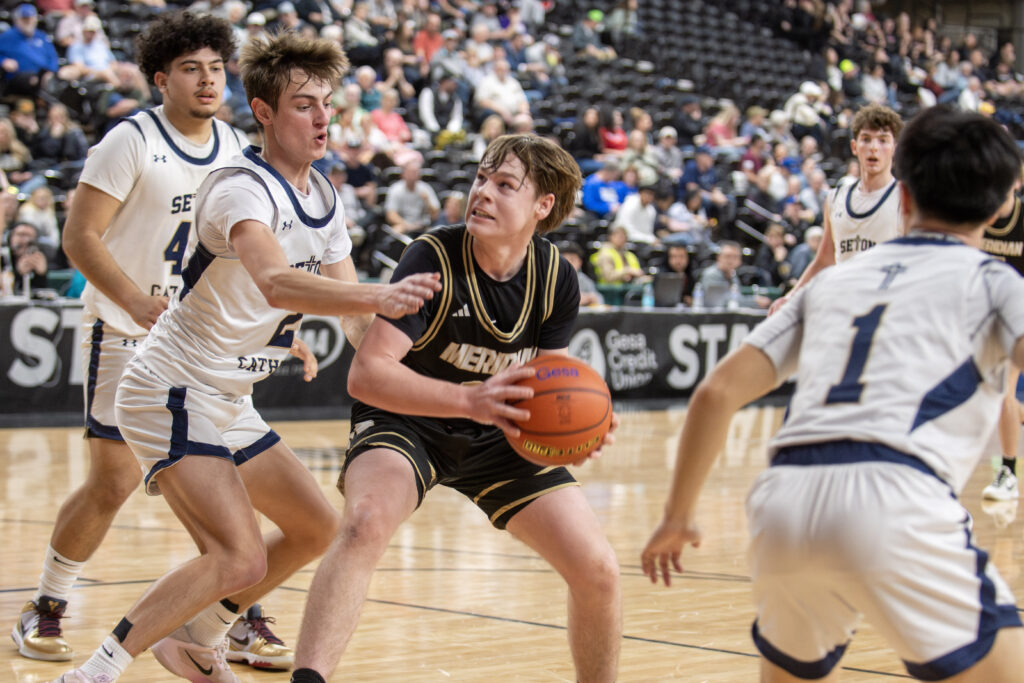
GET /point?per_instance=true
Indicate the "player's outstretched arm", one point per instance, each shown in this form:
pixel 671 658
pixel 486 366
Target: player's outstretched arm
pixel 744 375
pixel 825 257
pixel 296 290
pixel 89 217
pixel 378 377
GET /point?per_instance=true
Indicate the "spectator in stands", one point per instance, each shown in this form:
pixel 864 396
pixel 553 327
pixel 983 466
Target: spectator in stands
pixel 287 18
pixel 27 55
pixel 689 122
pixel 700 174
pixel 361 45
pixel 873 85
pixel 585 145
pixel 429 39
pixel 772 256
pixel 752 160
pixel 642 157
pixel 30 260
pixel 317 13
pixel 802 254
pixel 668 154
pixel 23 117
pixel 255 27
pixel 500 93
pixel 720 281
pixel 40 210
pixel 369 95
pixel 492 127
pixel 614 263
pixel 754 123
pixel 972 96
pixel 90 57
pixel 69 28
pixel 684 222
pixel 609 127
pixel 478 43
pixel 487 16
pixel 534 69
pixel 677 261
pixel 780 131
pixel 357 219
pixel 411 204
pixel 603 192
pixel 129 95
pixel 813 195
pixel 722 134
pixel 390 122
pixel 637 215
pixel 356 153
pixel 626 29
pixel 640 119
pixel 453 209
pixel 14 155
pixel 440 109
pixel 573 253
pixel 807 111
pixel 395 75
pixel 60 139
pixel 586 38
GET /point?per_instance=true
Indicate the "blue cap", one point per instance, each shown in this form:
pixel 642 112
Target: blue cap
pixel 792 164
pixel 25 10
pixel 703 149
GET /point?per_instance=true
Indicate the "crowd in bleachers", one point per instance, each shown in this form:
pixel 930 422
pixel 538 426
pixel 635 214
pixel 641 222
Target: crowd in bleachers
pixel 701 128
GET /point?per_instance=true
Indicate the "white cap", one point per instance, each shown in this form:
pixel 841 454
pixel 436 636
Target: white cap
pixel 92 23
pixel 256 19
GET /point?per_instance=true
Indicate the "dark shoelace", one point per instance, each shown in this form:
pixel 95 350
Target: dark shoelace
pixel 260 626
pixel 49 624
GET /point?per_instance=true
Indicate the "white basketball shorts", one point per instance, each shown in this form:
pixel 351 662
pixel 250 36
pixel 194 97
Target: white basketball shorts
pixel 845 529
pixel 104 355
pixel 164 423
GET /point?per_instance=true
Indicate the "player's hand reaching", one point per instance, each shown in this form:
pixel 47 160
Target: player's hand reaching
pixel 608 440
pixel 407 295
pixel 488 401
pixel 301 351
pixel 665 547
pixel 145 309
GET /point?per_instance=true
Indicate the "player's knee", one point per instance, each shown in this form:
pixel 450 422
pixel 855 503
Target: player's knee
pixel 239 571
pixel 366 526
pixel 598 576
pixel 115 487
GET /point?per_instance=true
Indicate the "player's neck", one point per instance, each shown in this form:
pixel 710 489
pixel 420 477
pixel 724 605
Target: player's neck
pixel 196 129
pixel 869 182
pixel 500 261
pixel 294 171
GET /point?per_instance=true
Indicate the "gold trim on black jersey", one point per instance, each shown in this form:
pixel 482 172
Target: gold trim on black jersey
pixel 1010 223
pixel 478 302
pixel 525 499
pixel 447 288
pixel 549 291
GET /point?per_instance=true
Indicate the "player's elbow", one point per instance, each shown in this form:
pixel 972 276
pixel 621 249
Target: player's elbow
pixel 359 380
pixel 274 287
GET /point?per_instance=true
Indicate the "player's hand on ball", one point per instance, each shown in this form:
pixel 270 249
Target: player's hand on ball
pixel 145 309
pixel 309 362
pixel 488 401
pixel 665 547
pixel 608 440
pixel 408 294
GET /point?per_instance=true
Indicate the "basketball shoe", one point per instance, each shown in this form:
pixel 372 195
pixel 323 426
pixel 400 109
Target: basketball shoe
pixel 251 641
pixel 37 633
pixel 179 655
pixel 1002 512
pixel 1004 487
pixel 77 676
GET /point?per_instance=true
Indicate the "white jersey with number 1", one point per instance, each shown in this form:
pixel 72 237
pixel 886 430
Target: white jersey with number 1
pixel 220 335
pixel 154 170
pixel 905 346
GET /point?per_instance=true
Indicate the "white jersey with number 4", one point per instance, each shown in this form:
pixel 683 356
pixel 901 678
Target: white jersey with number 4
pixel 154 171
pixel 906 346
pixel 219 334
pixel 860 220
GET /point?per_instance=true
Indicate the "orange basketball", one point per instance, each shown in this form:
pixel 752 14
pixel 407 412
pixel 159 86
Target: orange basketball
pixel 570 412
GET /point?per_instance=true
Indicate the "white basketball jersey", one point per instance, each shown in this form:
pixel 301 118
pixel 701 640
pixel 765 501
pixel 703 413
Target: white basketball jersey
pixel 154 171
pixel 219 334
pixel 860 220
pixel 904 346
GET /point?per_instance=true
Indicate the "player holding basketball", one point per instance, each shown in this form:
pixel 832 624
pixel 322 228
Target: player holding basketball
pixel 901 357
pixel 431 390
pixel 127 232
pixel 267 226
pixel 863 212
pixel 1005 238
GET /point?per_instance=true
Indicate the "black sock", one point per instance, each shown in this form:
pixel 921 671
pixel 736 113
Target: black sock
pixel 229 605
pixel 307 676
pixel 1011 463
pixel 121 630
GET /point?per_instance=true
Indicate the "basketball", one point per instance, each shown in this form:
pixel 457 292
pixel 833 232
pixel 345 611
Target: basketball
pixel 570 412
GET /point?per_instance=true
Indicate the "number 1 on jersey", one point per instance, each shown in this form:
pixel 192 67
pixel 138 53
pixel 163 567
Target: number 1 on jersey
pixel 175 250
pixel 849 388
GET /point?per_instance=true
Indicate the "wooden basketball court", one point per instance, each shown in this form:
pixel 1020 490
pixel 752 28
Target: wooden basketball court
pixel 453 599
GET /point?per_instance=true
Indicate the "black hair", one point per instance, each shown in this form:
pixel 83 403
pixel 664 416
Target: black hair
pixel 958 166
pixel 174 34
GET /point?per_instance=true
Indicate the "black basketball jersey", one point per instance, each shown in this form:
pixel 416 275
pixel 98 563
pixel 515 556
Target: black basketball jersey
pixel 475 327
pixel 1005 238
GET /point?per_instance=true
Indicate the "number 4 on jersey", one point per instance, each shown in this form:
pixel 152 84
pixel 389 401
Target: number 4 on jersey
pixel 175 250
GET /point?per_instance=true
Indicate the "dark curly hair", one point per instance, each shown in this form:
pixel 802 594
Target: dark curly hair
pixel 174 34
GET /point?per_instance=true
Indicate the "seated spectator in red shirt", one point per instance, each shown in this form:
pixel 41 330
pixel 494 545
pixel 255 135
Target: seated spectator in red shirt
pixel 613 137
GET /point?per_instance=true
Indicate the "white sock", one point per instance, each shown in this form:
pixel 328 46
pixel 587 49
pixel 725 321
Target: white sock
pixel 210 626
pixel 110 659
pixel 59 574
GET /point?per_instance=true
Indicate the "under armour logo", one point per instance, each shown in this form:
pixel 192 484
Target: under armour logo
pixel 286 225
pixel 129 343
pixel 162 158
